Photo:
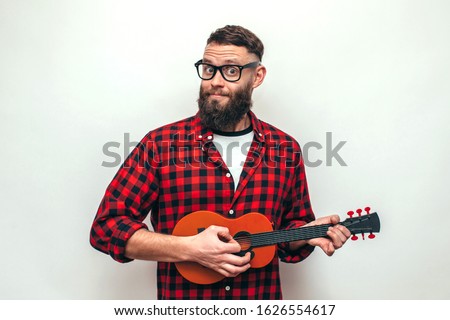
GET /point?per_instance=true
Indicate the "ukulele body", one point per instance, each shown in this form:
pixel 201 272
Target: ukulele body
pixel 250 223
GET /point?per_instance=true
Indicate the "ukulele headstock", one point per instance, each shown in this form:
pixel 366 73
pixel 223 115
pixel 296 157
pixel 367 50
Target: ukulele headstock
pixel 362 223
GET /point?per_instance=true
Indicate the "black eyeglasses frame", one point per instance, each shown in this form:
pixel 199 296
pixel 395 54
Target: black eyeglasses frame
pixel 248 65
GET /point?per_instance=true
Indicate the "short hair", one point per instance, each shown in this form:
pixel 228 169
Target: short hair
pixel 238 36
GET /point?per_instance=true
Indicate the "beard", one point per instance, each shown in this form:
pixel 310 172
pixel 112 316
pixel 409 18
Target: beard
pixel 224 117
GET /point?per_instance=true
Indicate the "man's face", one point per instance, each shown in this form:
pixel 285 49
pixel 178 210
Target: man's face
pixel 222 104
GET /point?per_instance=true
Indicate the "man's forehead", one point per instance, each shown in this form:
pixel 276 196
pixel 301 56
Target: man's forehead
pixel 226 53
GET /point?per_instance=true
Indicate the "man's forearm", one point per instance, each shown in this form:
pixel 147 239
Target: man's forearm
pixel 147 245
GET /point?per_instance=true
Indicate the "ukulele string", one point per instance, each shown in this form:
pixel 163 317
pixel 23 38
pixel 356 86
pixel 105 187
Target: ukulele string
pixel 273 237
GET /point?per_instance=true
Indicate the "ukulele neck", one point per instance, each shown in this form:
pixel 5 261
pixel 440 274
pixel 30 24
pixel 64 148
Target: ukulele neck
pixel 279 236
pixel 363 224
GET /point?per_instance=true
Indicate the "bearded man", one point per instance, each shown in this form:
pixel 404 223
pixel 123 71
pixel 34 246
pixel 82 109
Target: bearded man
pixel 223 160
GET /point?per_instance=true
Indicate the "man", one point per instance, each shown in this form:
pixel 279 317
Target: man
pixel 194 165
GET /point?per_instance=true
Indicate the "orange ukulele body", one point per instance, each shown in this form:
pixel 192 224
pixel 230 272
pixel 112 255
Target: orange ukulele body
pixel 197 221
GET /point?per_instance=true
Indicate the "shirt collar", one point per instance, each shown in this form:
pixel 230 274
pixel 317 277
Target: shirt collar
pixel 205 134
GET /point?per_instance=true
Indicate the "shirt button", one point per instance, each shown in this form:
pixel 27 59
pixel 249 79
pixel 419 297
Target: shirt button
pixel 231 212
pixel 227 288
pixel 209 137
pixel 228 175
pixel 200 136
pixel 260 134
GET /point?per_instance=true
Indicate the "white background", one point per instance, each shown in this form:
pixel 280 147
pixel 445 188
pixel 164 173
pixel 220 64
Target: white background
pixel 75 75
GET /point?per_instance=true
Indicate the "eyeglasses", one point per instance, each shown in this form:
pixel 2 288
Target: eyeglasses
pixel 229 72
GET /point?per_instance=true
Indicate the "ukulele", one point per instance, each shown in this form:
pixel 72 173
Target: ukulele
pixel 255 234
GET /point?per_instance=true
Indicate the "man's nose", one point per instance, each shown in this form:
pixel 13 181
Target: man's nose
pixel 218 80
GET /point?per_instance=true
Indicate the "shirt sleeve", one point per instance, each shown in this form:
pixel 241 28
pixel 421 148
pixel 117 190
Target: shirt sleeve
pixel 298 213
pixel 127 201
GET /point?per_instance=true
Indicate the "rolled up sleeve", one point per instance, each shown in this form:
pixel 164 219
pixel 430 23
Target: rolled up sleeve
pixel 127 202
pixel 298 213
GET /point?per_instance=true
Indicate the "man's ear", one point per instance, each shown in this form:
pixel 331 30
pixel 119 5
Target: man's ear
pixel 259 77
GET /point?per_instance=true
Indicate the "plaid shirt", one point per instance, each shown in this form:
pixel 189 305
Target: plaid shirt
pixel 176 170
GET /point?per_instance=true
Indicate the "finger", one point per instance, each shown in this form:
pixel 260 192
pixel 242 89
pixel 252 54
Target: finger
pixel 327 247
pixel 333 219
pixel 336 240
pixel 345 231
pixel 342 231
pixel 337 237
pixel 237 260
pixel 330 249
pixel 230 247
pixel 246 258
pixel 230 270
pixel 325 244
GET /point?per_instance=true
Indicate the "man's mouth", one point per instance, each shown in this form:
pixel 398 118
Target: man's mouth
pixel 217 95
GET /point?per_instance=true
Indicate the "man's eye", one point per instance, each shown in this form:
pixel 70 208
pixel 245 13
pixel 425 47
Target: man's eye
pixel 208 69
pixel 232 71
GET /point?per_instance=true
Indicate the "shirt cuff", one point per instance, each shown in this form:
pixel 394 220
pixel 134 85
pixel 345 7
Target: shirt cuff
pixel 123 232
pixel 289 256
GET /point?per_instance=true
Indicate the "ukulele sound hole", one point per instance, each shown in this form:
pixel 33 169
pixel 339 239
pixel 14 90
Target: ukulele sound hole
pixel 245 241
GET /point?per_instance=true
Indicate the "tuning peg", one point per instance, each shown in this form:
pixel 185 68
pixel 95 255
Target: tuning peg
pixel 354 237
pixel 359 211
pixel 371 236
pixel 350 213
pixel 367 210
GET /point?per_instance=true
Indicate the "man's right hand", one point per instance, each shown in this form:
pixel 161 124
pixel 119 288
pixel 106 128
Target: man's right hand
pixel 214 248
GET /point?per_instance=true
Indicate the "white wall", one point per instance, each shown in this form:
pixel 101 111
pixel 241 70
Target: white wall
pixel 77 74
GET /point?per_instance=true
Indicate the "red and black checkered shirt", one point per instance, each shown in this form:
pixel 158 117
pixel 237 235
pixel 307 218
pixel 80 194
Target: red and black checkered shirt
pixel 176 170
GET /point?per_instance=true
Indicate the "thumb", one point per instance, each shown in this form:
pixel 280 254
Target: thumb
pixel 223 234
pixel 334 219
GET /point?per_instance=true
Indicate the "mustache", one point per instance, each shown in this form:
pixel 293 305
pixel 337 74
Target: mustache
pixel 220 93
